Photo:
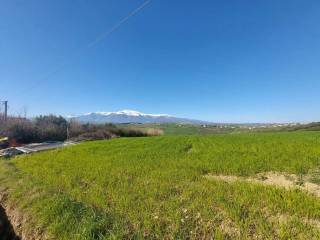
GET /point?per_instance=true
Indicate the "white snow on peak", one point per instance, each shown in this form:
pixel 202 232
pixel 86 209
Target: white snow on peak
pixel 129 113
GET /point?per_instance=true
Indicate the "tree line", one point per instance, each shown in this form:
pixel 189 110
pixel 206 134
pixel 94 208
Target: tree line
pixel 57 128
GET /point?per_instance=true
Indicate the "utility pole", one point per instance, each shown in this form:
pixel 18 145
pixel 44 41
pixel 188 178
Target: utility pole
pixel 5 116
pixel 68 133
pixel 5 110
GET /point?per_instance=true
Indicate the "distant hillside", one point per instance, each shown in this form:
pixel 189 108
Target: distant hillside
pixel 315 126
pixel 130 116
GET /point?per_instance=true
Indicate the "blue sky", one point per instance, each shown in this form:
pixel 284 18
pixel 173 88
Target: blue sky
pixel 223 61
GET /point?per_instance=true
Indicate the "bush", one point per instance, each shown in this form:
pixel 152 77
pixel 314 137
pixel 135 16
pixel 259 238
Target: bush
pixel 56 128
pixel 22 131
pixel 97 135
pixel 130 133
pixel 43 128
pixel 51 128
pixel 100 131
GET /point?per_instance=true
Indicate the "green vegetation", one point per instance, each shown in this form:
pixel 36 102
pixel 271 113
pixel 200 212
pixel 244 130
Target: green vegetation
pixel 192 129
pixel 42 128
pixel 315 126
pixel 56 128
pixel 156 188
pixel 183 129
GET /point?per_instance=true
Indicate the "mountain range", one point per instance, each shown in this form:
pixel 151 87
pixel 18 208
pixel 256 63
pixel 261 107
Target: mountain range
pixel 131 116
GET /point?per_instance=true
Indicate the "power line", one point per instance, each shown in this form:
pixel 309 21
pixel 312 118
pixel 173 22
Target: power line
pixel 90 45
pixel 119 24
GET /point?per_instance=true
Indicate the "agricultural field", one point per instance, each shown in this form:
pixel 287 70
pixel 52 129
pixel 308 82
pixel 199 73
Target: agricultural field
pixel 182 129
pixel 226 186
pixel 197 129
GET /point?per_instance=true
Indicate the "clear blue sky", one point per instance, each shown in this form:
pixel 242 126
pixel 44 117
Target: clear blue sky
pixel 224 61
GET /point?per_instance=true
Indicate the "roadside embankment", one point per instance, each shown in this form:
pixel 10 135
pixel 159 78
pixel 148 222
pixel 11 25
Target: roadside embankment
pixel 7 231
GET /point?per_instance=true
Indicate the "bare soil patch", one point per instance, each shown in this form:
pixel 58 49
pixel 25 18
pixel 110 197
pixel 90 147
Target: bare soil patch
pixel 287 181
pixel 15 224
pixel 6 229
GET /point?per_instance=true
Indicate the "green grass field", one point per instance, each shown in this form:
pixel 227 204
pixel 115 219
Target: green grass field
pixel 155 188
pixel 196 129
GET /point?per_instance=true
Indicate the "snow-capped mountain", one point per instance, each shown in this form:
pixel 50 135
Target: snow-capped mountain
pixel 130 116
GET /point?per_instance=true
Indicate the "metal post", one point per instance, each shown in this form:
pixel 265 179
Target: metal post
pixel 5 110
pixel 68 131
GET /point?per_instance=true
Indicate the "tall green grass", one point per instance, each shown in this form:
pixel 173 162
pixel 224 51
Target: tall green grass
pixel 155 188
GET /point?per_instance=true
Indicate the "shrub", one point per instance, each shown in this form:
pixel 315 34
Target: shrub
pixel 22 131
pixel 97 135
pixel 51 128
pixel 100 131
pixel 43 128
pixel 56 128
